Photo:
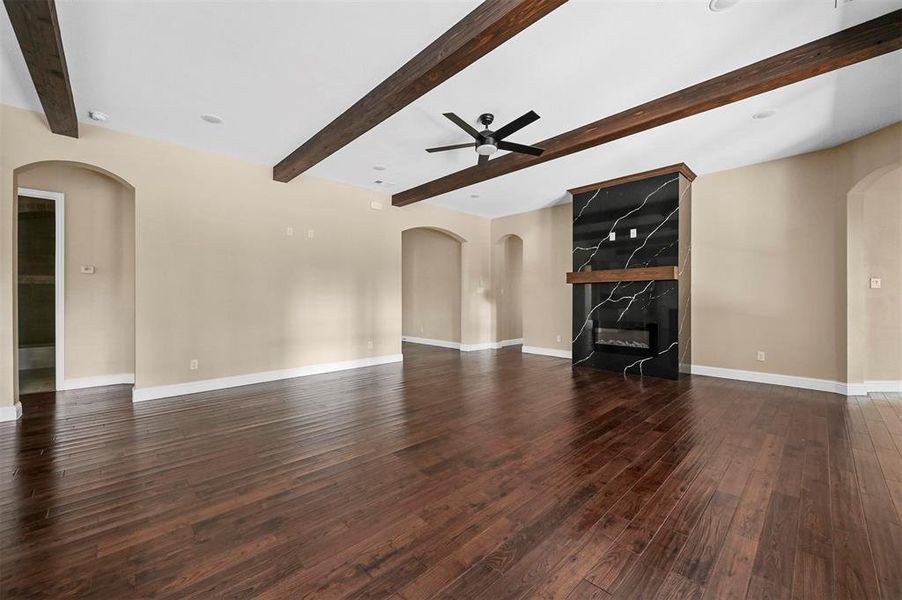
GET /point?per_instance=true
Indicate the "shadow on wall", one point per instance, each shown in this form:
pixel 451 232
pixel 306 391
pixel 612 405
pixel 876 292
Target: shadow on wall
pixel 431 285
pixel 98 330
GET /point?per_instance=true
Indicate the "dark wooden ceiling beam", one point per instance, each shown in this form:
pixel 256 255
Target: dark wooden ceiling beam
pixel 488 26
pixel 38 32
pixel 855 44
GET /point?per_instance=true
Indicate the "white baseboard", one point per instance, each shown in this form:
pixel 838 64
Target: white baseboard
pixel 10 413
pixel 506 343
pixel 78 383
pixel 456 345
pixel 428 342
pixel 547 351
pixel 206 385
pixel 475 347
pixel 860 389
pixel 805 383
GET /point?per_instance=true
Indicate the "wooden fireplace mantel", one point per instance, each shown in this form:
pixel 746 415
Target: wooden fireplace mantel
pixel 636 274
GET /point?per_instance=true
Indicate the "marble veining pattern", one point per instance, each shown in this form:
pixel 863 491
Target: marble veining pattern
pixel 607 314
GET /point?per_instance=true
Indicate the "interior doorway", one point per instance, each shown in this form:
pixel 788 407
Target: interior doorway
pixel 41 288
pixel 75 277
pixel 431 287
pixel 509 300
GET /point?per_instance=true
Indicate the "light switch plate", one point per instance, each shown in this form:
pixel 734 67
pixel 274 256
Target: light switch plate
pixel 875 283
pixel 89 270
pixel 612 236
pixel 289 231
pixel 633 233
pixel 761 356
pixel 375 205
pixel 310 234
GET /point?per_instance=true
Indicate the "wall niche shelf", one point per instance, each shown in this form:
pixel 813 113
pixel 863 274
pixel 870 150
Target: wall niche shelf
pixel 635 274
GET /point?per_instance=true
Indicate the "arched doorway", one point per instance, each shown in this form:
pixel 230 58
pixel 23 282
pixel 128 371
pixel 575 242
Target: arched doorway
pixel 75 323
pixel 508 284
pixel 874 280
pixel 431 275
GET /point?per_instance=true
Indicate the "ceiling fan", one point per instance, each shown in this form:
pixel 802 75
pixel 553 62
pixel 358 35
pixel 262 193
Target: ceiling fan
pixel 487 141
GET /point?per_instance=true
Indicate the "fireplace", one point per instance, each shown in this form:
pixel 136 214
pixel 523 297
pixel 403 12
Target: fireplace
pixel 632 272
pixel 639 339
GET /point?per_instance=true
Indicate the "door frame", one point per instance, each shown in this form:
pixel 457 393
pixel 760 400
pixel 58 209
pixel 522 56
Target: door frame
pixel 59 270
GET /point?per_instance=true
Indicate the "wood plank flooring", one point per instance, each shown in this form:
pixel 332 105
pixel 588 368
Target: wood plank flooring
pixel 455 475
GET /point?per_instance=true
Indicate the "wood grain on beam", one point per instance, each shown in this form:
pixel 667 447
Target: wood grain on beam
pixel 635 274
pixel 855 44
pixel 488 26
pixel 680 168
pixel 38 32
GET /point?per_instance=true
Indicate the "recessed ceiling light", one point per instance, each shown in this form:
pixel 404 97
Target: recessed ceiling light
pixel 764 114
pixel 474 195
pixel 382 182
pixel 378 168
pixel 98 116
pixel 721 5
pixel 211 118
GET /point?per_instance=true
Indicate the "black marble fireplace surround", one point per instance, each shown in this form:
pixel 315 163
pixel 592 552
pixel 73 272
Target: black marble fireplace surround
pixel 637 327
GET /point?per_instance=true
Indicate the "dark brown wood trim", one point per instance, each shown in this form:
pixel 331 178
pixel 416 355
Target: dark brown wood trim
pixel 636 274
pixel 870 39
pixel 488 26
pixel 680 168
pixel 38 32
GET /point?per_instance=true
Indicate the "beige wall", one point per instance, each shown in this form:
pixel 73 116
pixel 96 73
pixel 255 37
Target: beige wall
pixel 547 304
pixel 430 279
pixel 218 279
pixel 508 283
pixel 100 231
pixel 881 236
pixel 769 260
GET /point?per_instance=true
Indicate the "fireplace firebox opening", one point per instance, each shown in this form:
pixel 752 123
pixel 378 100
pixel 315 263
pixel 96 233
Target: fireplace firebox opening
pixel 628 338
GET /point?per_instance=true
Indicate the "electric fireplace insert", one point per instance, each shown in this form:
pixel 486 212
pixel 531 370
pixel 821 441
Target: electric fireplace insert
pixel 627 338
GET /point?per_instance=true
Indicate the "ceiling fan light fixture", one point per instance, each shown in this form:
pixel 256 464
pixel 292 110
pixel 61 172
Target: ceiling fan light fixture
pixel 721 5
pixel 486 149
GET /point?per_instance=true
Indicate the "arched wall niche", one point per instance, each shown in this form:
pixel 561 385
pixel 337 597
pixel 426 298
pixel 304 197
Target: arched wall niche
pixel 447 232
pixel 433 277
pixel 872 313
pixel 507 280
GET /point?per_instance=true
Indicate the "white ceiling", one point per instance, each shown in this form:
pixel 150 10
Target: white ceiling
pixel 279 71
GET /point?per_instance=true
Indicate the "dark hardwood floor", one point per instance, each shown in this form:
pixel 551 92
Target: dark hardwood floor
pixel 476 475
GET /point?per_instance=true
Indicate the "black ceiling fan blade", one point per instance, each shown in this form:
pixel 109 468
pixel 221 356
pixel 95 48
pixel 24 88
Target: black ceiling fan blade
pixel 483 159
pixel 522 149
pixel 516 125
pixel 462 124
pixel 452 147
